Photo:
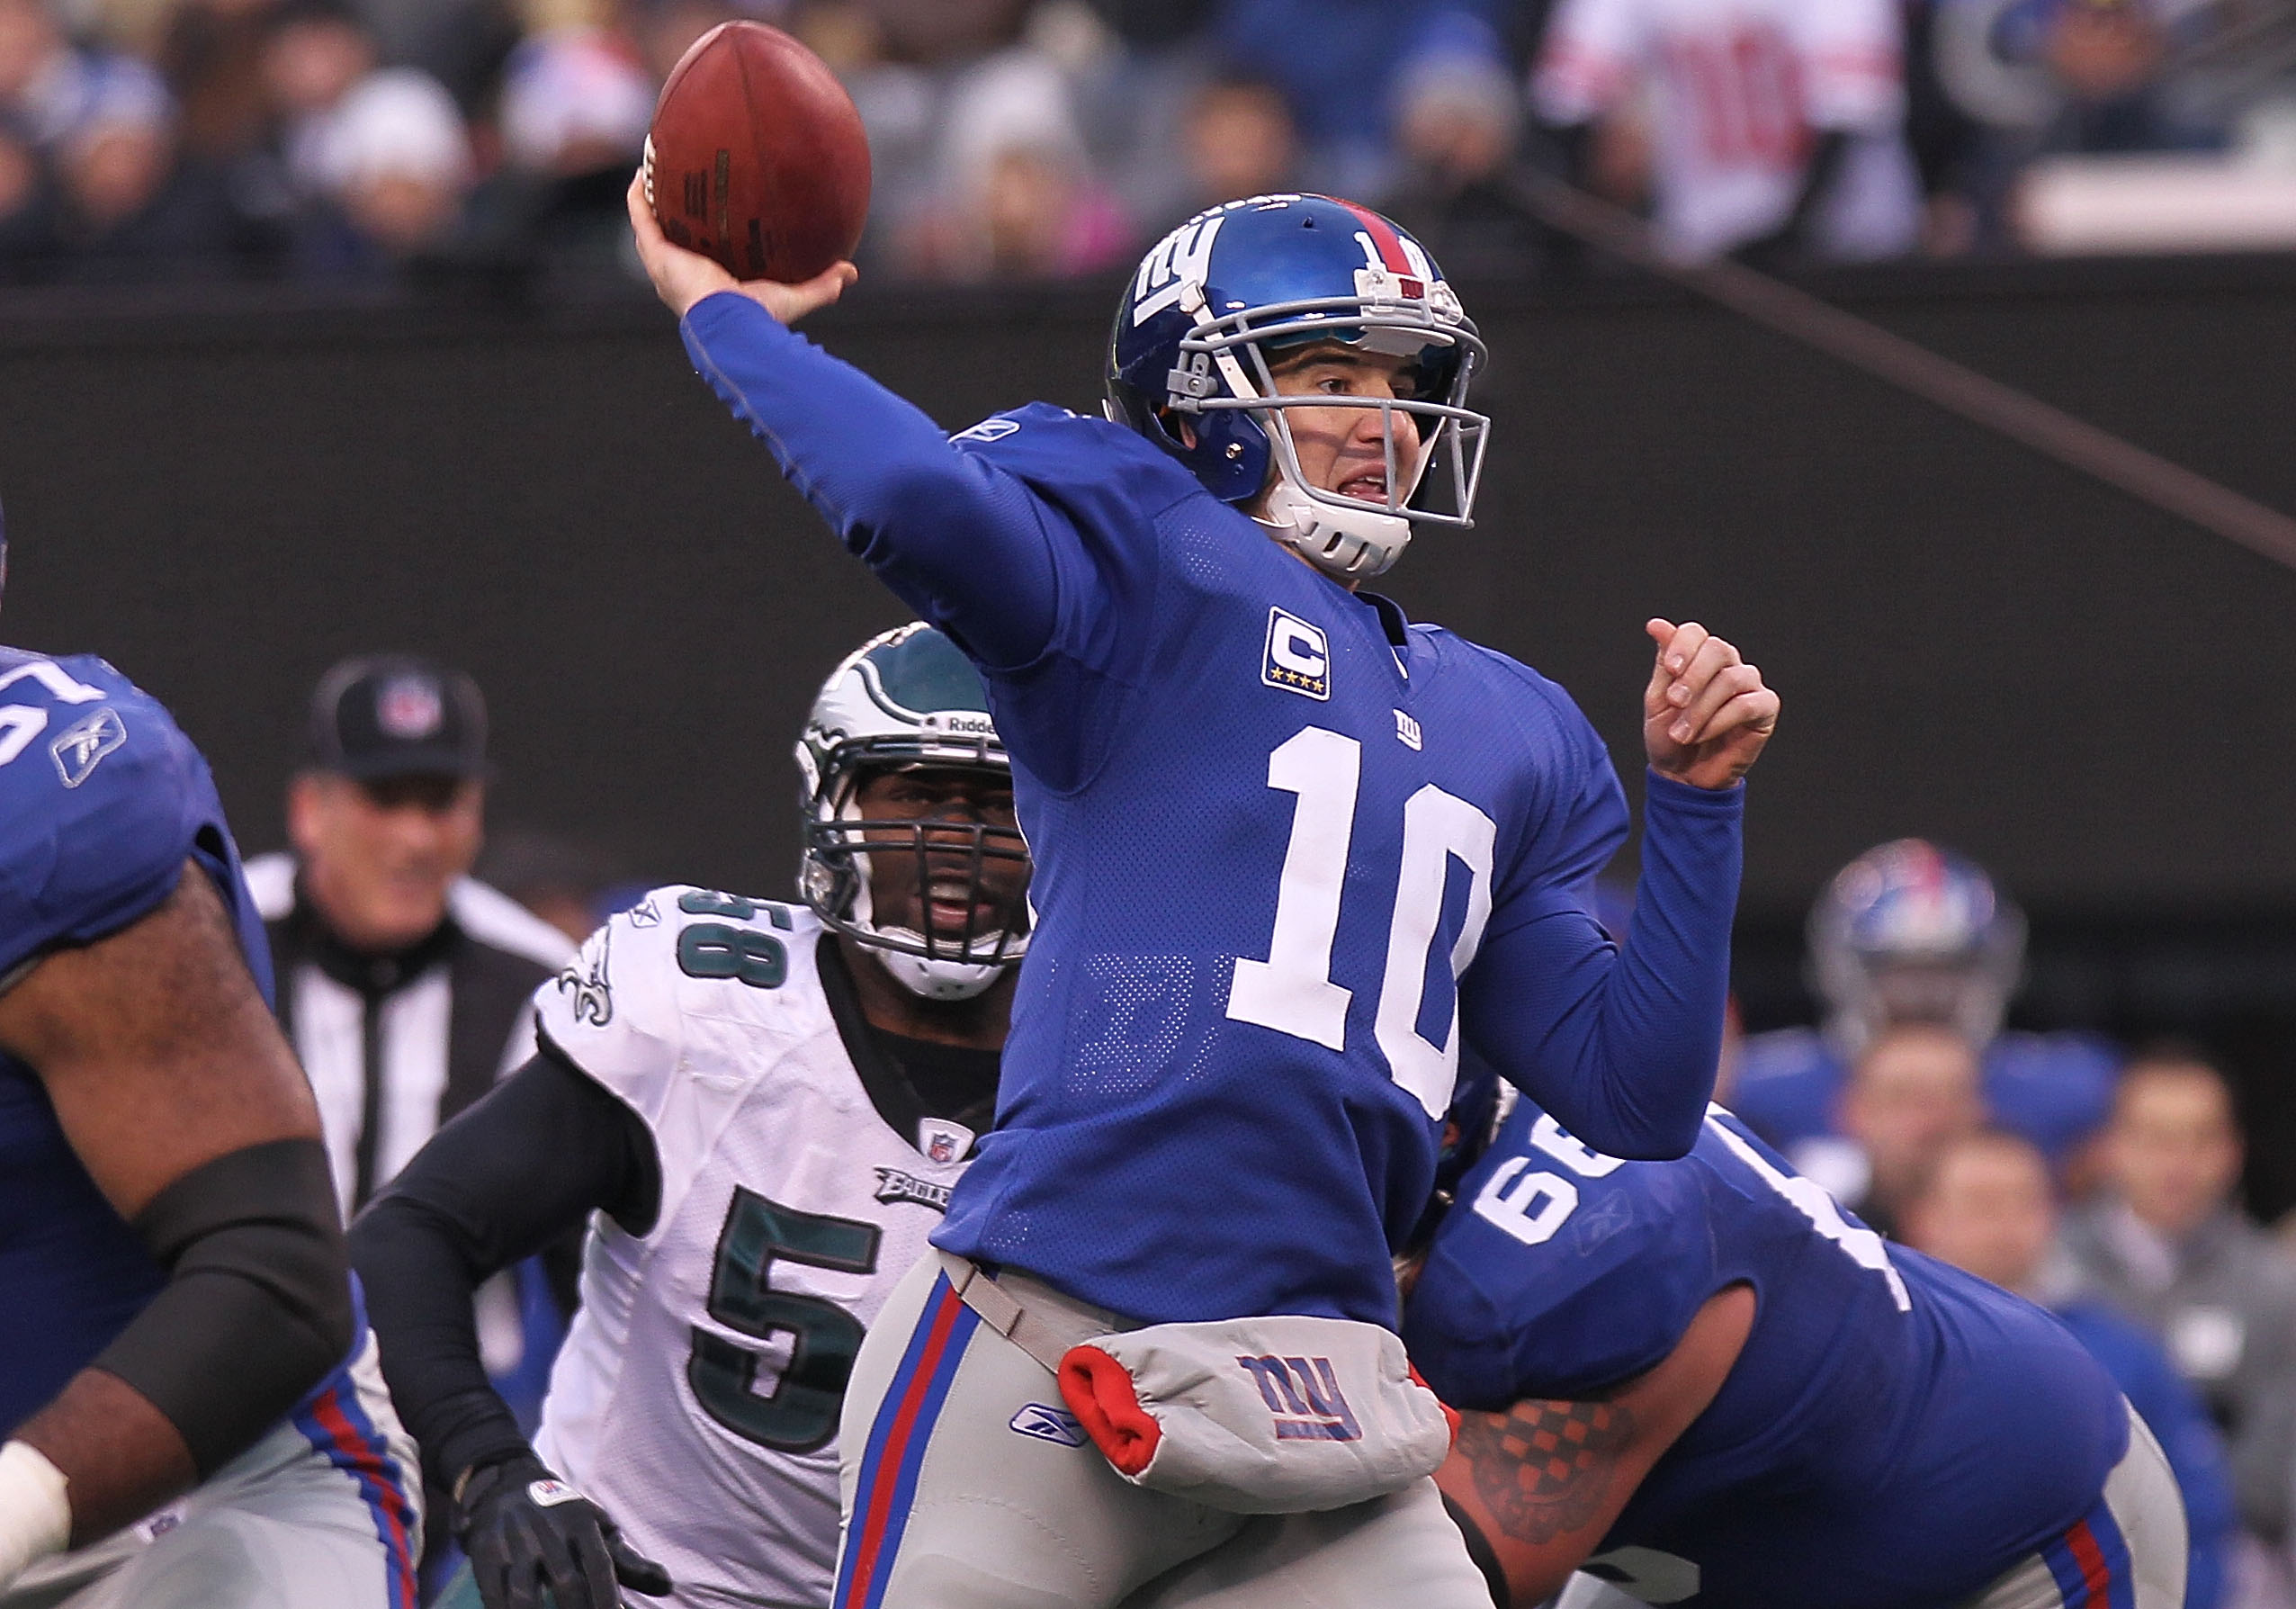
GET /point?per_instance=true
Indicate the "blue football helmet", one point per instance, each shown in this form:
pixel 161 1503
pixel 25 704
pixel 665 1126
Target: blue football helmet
pixel 1908 933
pixel 1189 365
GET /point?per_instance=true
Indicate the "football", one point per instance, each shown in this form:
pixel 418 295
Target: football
pixel 757 156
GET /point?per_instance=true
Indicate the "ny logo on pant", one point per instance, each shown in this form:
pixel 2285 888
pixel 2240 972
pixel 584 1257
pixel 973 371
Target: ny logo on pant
pixel 1303 1395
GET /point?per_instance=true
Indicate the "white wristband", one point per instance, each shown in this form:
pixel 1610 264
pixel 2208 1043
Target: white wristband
pixel 35 1514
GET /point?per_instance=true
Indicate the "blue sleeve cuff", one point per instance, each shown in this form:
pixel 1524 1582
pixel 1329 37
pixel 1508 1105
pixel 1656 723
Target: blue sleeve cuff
pixel 1663 792
pixel 723 315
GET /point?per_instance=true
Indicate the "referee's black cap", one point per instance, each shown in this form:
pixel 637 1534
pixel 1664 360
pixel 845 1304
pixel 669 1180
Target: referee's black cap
pixel 380 715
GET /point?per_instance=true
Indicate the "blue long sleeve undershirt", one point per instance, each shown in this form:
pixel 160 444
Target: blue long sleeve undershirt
pixel 1621 1042
pixel 956 539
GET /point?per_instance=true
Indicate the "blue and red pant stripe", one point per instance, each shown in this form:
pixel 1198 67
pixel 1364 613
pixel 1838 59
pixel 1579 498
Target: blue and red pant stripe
pixel 2090 1563
pixel 335 1423
pixel 903 1428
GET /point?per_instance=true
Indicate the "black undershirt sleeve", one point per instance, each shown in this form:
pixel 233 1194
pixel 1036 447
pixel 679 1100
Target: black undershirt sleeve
pixel 253 1247
pixel 520 1168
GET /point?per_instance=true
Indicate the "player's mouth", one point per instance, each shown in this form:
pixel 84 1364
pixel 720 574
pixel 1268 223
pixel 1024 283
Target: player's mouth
pixel 1371 487
pixel 952 910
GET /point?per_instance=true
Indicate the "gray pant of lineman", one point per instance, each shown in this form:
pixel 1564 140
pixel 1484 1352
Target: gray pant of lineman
pixel 2141 1493
pixel 278 1527
pixel 1006 1520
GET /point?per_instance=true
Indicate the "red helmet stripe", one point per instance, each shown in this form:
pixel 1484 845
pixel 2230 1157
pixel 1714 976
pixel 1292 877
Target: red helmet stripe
pixel 1384 239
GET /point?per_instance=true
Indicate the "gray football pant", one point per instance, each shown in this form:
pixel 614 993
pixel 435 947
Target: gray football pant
pixel 285 1525
pixel 1007 1518
pixel 2141 1494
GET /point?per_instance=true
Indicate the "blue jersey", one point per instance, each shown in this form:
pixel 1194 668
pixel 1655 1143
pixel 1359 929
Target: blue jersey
pixel 2054 1090
pixel 101 802
pixel 2179 1420
pixel 1894 1431
pixel 1290 850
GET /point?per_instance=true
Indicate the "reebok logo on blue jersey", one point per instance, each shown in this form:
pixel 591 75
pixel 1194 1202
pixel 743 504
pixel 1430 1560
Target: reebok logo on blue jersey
pixel 988 430
pixel 1049 1424
pixel 1303 1395
pixel 1299 658
pixel 82 745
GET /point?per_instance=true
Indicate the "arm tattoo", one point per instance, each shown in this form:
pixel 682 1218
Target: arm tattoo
pixel 1547 1468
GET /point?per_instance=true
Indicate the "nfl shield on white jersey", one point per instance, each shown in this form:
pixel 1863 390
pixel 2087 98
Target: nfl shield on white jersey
pixel 697 1398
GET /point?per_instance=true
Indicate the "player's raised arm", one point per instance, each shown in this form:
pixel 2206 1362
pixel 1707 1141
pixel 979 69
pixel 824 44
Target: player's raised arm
pixel 181 1099
pixel 1621 1042
pixel 518 1170
pixel 969 547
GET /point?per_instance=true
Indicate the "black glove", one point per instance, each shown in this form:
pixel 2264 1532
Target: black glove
pixel 526 1530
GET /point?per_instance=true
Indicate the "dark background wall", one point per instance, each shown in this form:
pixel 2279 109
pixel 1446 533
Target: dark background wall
pixel 2094 700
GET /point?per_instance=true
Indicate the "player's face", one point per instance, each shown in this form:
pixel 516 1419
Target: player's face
pixel 943 902
pixel 1990 1210
pixel 379 856
pixel 1914 1091
pixel 2174 1150
pixel 1913 992
pixel 1343 450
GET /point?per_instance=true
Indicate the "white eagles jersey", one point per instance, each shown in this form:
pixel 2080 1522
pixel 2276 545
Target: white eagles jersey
pixel 696 1397
pixel 1734 88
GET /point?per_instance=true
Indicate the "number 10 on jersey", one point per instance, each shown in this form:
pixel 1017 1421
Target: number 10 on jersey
pixel 1292 990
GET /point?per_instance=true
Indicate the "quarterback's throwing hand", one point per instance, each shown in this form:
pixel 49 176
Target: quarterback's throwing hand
pixel 526 1530
pixel 682 277
pixel 1706 714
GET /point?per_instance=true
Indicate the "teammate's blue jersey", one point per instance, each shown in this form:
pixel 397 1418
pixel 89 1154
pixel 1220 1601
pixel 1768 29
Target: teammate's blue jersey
pixel 2189 1439
pixel 2056 1090
pixel 1895 1433
pixel 1290 850
pixel 101 802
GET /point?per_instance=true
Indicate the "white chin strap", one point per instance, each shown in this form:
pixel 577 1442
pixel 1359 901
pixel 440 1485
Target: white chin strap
pixel 937 980
pixel 921 975
pixel 1348 544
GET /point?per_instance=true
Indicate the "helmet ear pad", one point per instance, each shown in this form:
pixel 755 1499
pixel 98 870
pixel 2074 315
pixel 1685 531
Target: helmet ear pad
pixel 1231 453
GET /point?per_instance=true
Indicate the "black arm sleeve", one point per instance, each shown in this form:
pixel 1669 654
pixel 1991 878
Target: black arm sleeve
pixel 521 1167
pixel 257 1305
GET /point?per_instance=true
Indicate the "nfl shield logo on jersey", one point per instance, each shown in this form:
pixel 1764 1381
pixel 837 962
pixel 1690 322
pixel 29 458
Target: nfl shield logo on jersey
pixel 942 1141
pixel 1299 657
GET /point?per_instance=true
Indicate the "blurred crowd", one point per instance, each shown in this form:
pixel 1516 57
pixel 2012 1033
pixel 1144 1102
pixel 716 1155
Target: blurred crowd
pixel 1031 139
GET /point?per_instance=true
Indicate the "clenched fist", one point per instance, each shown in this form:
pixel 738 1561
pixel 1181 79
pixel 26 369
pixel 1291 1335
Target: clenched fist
pixel 1706 714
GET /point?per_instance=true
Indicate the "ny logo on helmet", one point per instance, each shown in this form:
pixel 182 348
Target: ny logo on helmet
pixel 1183 258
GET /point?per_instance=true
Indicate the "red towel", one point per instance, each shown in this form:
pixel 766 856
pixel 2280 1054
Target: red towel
pixel 1098 1391
pixel 1450 1413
